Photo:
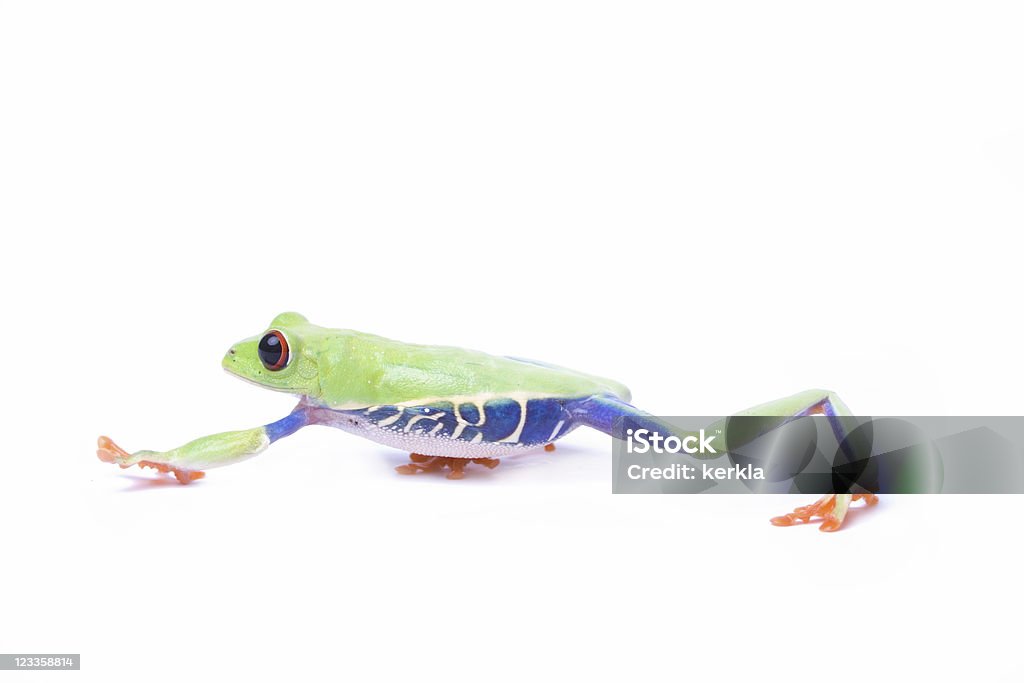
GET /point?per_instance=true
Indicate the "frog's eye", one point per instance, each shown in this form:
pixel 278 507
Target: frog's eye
pixel 273 350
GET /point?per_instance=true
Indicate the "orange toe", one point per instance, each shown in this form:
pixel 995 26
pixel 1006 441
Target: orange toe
pixel 108 451
pixel 830 524
pixel 803 514
pixel 489 463
pixel 188 476
pixel 457 470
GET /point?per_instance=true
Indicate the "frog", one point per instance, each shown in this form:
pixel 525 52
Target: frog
pixel 447 406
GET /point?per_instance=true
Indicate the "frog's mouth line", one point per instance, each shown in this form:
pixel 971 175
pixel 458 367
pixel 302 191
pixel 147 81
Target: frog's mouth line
pixel 229 368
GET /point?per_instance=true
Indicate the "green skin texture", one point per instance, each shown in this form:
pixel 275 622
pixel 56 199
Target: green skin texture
pixel 345 369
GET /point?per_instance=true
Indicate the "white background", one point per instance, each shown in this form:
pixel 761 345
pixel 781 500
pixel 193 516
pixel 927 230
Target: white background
pixel 717 203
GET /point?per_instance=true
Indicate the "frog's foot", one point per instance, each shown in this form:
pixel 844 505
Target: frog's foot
pixel 183 476
pixel 108 451
pixel 831 508
pixel 435 463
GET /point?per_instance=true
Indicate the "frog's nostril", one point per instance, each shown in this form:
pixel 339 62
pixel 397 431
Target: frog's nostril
pixel 231 351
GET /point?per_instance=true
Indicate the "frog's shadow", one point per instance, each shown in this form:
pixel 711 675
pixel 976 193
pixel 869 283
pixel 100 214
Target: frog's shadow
pixel 144 483
pixel 520 462
pixel 391 459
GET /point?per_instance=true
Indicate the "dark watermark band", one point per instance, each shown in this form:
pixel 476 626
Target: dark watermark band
pixel 818 454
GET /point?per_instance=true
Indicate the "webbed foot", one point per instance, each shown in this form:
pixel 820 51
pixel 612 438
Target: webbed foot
pixel 832 509
pixel 108 451
pixel 434 463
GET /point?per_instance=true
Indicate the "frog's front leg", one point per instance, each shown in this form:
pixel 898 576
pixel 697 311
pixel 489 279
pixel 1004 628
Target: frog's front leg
pixel 187 463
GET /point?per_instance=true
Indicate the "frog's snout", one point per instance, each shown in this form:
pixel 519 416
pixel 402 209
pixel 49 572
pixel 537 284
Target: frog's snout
pixel 230 360
pixel 238 360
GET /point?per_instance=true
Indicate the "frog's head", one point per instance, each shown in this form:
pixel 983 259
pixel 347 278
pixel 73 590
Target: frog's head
pixel 282 358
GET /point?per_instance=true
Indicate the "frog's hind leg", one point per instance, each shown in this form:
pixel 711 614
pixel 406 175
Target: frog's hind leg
pixel 610 415
pixel 830 508
pixel 437 463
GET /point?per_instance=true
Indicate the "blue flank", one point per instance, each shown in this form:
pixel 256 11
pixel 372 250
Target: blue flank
pixel 470 413
pixel 499 420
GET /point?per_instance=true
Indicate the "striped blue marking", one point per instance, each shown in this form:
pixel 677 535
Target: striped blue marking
pixel 499 420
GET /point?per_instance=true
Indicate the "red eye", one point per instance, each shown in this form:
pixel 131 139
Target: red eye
pixel 273 350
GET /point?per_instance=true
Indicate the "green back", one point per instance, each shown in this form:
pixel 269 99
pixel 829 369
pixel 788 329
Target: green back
pixel 349 369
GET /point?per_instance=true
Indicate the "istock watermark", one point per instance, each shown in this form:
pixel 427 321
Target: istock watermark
pixel 644 440
pixel 819 454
